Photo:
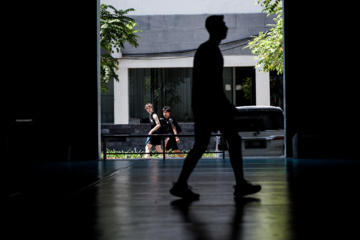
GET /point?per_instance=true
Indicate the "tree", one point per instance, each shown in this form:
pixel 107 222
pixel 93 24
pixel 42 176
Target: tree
pixel 268 46
pixel 115 30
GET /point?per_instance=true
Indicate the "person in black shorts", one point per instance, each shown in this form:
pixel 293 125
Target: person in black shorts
pixel 170 128
pixel 155 129
pixel 212 111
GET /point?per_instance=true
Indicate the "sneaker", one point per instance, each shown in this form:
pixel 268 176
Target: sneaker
pixel 183 191
pixel 246 188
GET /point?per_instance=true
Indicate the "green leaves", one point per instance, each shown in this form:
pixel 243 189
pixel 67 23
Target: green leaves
pixel 268 46
pixel 270 6
pixel 115 30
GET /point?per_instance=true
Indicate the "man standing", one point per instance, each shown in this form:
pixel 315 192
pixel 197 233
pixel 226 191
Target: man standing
pixel 171 142
pixel 155 127
pixel 212 111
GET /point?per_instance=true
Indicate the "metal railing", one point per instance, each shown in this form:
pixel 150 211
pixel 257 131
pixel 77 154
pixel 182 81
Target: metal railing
pixel 163 136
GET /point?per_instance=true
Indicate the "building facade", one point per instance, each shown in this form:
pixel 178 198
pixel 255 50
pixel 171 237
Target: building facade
pixel 160 69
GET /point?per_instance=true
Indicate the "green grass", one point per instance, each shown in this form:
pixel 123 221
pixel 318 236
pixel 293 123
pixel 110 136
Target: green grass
pixel 131 154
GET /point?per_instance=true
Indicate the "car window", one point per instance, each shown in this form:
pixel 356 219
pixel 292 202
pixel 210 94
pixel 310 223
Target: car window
pixel 259 121
pixel 250 124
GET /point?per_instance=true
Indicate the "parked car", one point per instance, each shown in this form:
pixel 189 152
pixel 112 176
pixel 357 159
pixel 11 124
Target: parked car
pixel 261 129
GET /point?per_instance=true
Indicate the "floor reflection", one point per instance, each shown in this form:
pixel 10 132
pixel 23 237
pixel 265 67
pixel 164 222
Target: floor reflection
pixel 199 227
pixel 300 199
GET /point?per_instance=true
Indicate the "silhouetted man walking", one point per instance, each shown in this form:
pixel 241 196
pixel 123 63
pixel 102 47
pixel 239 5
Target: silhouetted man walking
pixel 212 111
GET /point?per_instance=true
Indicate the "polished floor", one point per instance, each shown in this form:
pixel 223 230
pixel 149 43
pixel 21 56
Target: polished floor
pixel 300 199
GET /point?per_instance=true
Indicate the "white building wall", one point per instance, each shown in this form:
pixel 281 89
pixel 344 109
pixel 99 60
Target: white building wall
pixel 170 7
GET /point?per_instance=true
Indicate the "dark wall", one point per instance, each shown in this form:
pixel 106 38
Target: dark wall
pixel 51 61
pixel 50 76
pixel 322 93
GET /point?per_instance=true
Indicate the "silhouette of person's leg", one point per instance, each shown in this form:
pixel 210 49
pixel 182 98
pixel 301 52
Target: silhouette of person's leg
pixel 234 142
pixel 202 138
pixel 242 187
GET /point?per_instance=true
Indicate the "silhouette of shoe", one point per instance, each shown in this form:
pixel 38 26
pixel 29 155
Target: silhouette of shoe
pixel 183 191
pixel 246 188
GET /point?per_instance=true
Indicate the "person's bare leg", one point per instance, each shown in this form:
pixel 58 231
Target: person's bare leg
pixel 179 153
pixel 158 149
pixel 147 150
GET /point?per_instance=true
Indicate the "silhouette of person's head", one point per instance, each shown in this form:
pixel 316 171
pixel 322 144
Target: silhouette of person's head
pixel 216 27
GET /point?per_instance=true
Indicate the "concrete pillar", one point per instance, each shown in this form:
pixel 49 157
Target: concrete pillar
pixel 121 97
pixel 262 83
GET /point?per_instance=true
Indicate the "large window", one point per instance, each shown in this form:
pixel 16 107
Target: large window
pixel 276 90
pixel 107 104
pixel 172 87
pixel 161 87
pixel 239 85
